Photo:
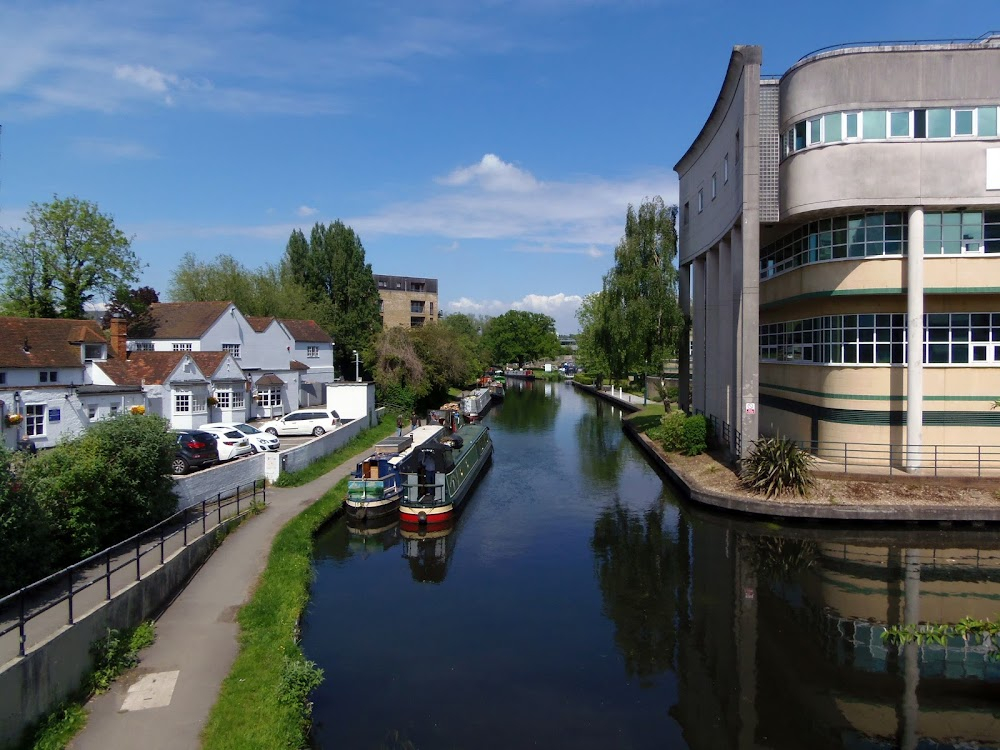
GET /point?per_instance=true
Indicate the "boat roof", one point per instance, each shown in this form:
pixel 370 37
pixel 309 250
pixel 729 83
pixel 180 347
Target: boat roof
pixel 420 436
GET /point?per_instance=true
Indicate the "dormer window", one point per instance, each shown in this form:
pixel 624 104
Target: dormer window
pixel 94 351
pixel 48 376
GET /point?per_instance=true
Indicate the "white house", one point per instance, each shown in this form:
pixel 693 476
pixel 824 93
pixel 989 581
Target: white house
pixel 286 361
pixel 46 386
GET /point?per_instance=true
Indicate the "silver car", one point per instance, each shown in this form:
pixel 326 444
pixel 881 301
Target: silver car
pixel 315 421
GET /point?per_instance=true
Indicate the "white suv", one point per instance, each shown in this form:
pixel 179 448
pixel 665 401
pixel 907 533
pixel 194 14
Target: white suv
pixel 304 422
pixel 260 442
pixel 231 442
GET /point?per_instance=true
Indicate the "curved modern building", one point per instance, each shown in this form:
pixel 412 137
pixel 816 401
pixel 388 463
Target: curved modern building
pixel 830 218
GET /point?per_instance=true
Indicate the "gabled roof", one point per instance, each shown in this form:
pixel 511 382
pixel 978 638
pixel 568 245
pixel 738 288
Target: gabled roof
pixel 184 320
pixel 270 379
pixel 296 365
pixel 151 368
pixel 259 323
pixel 306 330
pixel 46 342
pixel 210 362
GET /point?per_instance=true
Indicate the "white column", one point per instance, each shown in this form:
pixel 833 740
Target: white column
pixel 746 319
pixel 712 344
pixel 698 336
pixel 915 338
pixel 725 337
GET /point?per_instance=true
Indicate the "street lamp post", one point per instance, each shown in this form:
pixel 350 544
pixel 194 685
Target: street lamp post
pixel 334 345
pixel 357 366
pixel 17 410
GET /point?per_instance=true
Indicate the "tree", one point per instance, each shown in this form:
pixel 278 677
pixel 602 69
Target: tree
pixel 264 291
pixel 519 336
pixel 331 266
pixel 71 252
pixel 590 341
pixel 640 318
pixel 133 306
pixel 399 372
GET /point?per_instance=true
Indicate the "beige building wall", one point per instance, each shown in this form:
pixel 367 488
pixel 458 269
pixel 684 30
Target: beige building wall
pixel 408 302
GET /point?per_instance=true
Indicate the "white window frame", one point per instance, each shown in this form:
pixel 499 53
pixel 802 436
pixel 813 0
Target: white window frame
pixel 701 200
pixel 312 352
pixel 858 125
pixel 182 403
pixel 181 347
pixel 715 182
pixel 233 349
pixel 239 400
pixel 225 399
pixel 725 170
pixel 814 124
pixel 974 111
pixel 34 424
pixel 909 123
pixel 91 412
pixel 269 396
pixel 144 346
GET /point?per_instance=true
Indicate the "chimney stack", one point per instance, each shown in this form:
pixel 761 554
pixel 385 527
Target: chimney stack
pixel 119 336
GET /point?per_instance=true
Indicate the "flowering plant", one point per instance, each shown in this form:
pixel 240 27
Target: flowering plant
pixel 212 401
pixel 13 419
pixel 138 409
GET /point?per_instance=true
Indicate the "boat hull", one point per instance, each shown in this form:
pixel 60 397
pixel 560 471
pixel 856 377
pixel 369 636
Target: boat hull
pixel 372 509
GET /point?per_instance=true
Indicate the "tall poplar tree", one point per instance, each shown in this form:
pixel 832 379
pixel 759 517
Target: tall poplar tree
pixel 331 265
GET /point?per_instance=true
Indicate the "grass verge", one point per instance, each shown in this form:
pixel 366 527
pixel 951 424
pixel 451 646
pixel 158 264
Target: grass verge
pixel 364 439
pixel 649 416
pixel 264 702
pixel 112 656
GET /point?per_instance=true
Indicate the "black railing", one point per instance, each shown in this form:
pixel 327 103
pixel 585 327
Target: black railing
pixel 117 567
pixel 905 43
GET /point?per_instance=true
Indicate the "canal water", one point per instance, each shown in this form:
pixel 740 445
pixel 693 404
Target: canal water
pixel 578 603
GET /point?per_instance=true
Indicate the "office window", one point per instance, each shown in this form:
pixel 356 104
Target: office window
pixel 832 127
pixel 233 349
pixel 851 119
pixel 987 117
pixel 725 169
pixel 873 124
pixel 34 420
pixel 963 122
pixel 312 352
pixel 939 123
pixel 899 124
pixel 701 201
pixel 714 186
pixel 815 131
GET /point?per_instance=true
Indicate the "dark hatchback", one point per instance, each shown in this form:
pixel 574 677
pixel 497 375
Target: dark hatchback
pixel 195 449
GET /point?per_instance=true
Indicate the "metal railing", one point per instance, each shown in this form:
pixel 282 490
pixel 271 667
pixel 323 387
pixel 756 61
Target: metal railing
pixel 984 38
pixel 936 460
pixel 39 610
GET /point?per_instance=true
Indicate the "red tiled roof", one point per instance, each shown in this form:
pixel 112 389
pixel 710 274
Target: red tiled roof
pixel 50 342
pixel 259 323
pixel 270 379
pixel 184 320
pixel 296 365
pixel 306 330
pixel 153 368
pixel 208 362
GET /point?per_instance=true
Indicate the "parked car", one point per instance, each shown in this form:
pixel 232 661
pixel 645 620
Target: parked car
pixel 231 442
pixel 259 441
pixel 195 449
pixel 304 422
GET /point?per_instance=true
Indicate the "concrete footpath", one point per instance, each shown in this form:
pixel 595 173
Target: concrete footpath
pixel 164 703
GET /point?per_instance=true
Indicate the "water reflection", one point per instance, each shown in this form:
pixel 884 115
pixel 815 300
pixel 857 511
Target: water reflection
pixel 428 550
pixel 601 439
pixel 530 409
pixel 775 635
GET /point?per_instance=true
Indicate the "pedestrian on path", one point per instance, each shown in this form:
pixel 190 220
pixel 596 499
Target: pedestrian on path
pixel 414 422
pixel 399 425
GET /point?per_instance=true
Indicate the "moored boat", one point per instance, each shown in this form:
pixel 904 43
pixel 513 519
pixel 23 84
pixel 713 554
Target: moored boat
pixel 376 486
pixel 475 404
pixel 443 472
pixel 521 374
pixel 497 390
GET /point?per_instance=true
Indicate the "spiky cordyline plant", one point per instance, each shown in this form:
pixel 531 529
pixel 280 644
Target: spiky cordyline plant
pixel 776 466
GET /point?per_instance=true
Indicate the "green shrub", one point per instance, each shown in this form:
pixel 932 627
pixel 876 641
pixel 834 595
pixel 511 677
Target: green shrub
pixel 583 378
pixel 776 466
pixel 672 431
pixel 673 393
pixel 695 435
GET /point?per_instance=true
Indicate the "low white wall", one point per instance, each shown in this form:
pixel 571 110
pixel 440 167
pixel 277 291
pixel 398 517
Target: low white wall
pixel 206 484
pixel 303 455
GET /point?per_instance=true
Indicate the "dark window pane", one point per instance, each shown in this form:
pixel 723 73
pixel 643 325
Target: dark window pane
pixel 960 353
pixel 866 353
pixel 883 354
pixel 897 354
pixel 850 354
pixel 938 354
pixel 979 353
pixel 920 123
pixel 866 321
pixel 938 319
pixel 980 319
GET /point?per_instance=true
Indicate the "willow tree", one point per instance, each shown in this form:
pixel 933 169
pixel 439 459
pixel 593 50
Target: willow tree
pixel 639 314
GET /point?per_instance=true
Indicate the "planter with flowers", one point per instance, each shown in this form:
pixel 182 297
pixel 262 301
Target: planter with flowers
pixel 212 401
pixel 139 409
pixel 12 420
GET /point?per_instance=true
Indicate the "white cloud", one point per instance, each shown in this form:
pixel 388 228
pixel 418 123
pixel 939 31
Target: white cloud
pixel 108 149
pixel 494 174
pixel 145 77
pixel 306 211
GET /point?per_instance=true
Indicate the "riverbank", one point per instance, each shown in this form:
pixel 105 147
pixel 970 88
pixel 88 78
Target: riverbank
pixel 709 480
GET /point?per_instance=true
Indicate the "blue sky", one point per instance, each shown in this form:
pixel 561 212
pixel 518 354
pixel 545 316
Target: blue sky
pixel 493 145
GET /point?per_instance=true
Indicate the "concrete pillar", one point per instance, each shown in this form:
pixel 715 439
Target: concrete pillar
pixel 915 339
pixel 909 729
pixel 745 243
pixel 698 336
pixel 713 346
pixel 726 339
pixel 683 345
